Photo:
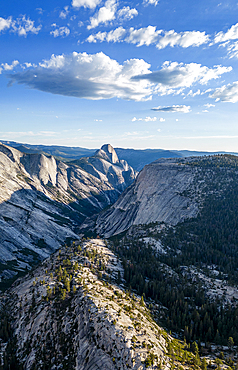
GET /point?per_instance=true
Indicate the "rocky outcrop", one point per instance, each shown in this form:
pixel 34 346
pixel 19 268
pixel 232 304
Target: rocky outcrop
pixel 105 165
pixel 67 315
pixel 43 200
pixel 157 195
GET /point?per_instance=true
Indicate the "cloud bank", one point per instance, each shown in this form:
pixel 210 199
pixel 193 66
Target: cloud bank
pixel 173 76
pixel 150 35
pixel 97 76
pixel 88 76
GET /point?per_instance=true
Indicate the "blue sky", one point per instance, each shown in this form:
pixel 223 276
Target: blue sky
pixel 148 74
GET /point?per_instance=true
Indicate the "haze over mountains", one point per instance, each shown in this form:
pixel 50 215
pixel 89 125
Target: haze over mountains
pixel 137 158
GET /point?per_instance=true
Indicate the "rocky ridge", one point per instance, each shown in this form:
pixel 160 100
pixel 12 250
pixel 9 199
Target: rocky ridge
pixel 43 200
pixel 84 319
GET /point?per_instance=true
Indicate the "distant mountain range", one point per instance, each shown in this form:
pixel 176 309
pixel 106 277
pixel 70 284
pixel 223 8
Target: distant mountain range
pixel 136 158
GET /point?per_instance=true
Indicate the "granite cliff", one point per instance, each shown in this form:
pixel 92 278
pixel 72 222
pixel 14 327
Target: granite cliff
pixel 167 190
pixel 105 165
pixel 43 200
pixel 157 195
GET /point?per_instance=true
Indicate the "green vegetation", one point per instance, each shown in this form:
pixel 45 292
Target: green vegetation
pixel 211 239
pixel 9 359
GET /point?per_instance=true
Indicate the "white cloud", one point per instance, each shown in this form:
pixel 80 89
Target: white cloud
pixel 226 93
pixel 150 119
pixel 231 34
pixel 232 49
pixel 209 105
pixel 151 2
pixel 191 93
pixel 61 31
pixel 173 109
pixel 146 119
pixel 111 36
pixel 104 14
pixel 85 3
pixel 64 13
pixel 88 76
pixel 40 10
pixel 143 36
pixel 126 13
pixel 8 67
pixel 149 35
pixel 22 26
pixel 97 76
pixel 183 39
pixel 225 38
pixel 162 119
pixel 115 35
pixel 100 36
pixel 174 77
pixel 27 65
pixel 206 91
pixel 5 23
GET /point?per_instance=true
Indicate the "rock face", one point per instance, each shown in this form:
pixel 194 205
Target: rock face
pixel 157 195
pixel 105 165
pixel 64 316
pixel 43 200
